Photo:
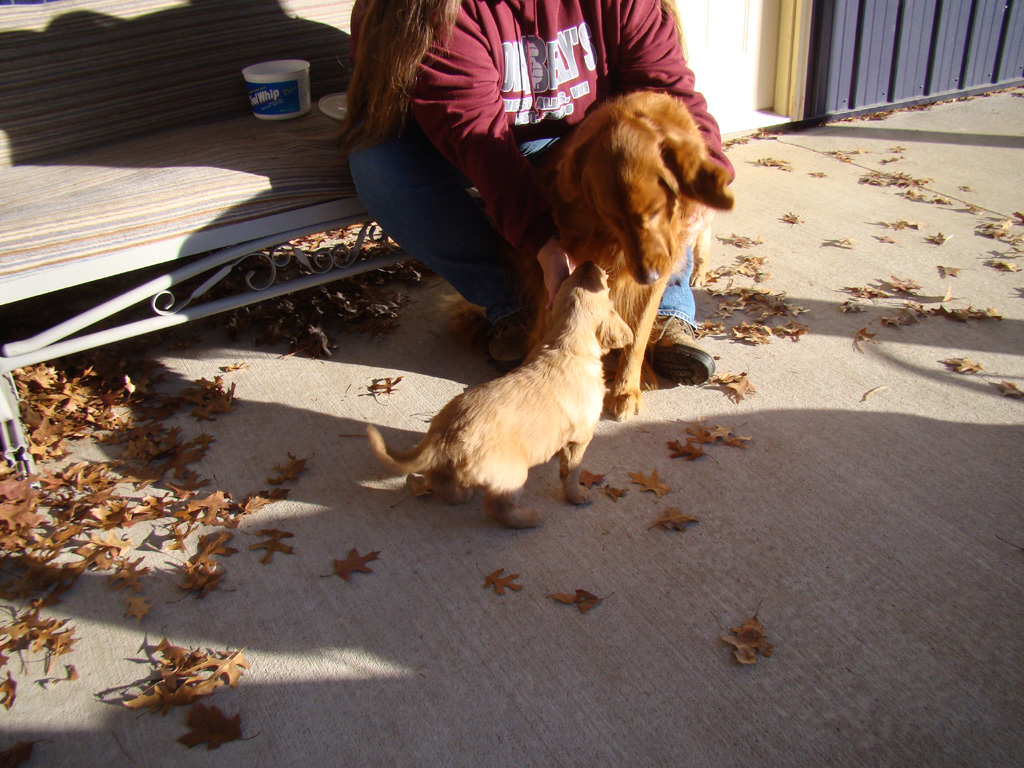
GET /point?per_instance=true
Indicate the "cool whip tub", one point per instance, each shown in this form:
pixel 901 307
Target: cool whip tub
pixel 278 90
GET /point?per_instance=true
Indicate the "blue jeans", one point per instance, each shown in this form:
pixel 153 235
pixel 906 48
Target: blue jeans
pixel 422 202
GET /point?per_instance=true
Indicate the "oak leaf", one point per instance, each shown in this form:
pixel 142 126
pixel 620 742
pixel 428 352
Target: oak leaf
pixel 582 599
pixel 673 519
pixel 272 544
pixel 354 563
pixel 290 471
pixel 748 640
pixel 1008 389
pixel 735 386
pixel 613 493
pixel 689 451
pixel 500 583
pixel 962 365
pixel 650 483
pixel 588 479
pixel 8 692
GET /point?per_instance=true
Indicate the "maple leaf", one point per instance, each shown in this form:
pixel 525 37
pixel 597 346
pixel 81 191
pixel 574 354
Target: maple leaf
pixel 354 563
pixel 673 519
pixel 272 544
pixel 582 599
pixel 650 483
pixel 500 583
pixel 748 640
pixel 689 451
pixel 211 727
pixel 289 471
pixel 961 365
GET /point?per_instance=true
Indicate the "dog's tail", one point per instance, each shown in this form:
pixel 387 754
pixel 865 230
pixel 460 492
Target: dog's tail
pixel 399 462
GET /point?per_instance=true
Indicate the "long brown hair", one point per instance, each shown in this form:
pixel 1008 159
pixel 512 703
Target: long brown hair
pixel 394 36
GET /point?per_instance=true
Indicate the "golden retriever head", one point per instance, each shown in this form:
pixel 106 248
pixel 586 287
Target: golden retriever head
pixel 635 169
pixel 583 310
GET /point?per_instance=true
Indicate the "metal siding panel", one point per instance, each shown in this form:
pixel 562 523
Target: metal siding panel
pixel 984 44
pixel 913 53
pixel 1011 64
pixel 842 55
pixel 877 51
pixel 950 46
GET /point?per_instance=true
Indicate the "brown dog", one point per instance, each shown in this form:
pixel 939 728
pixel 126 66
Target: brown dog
pixel 490 436
pixel 623 185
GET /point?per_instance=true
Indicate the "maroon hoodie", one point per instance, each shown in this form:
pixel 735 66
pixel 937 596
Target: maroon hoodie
pixel 516 70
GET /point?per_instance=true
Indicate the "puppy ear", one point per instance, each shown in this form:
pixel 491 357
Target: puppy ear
pixel 613 332
pixel 699 177
pixel 570 169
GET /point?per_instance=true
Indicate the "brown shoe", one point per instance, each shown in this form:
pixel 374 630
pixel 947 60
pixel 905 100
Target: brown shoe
pixel 509 336
pixel 675 354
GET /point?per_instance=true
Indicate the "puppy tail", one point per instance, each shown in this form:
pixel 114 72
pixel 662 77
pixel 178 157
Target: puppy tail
pixel 399 462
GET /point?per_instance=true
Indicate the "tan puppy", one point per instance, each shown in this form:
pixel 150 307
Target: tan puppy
pixel 623 186
pixel 489 437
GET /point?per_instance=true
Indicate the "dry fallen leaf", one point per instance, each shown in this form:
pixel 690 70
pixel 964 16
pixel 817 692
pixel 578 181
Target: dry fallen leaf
pixel 861 337
pixel 613 493
pixel 136 607
pixel 650 483
pixel 272 544
pixel 748 640
pixel 736 386
pixel 588 479
pixel 1008 389
pixel 582 599
pixel 354 563
pixel 500 583
pixel 937 239
pixel 689 451
pixel 673 519
pixel 945 272
pixel 289 471
pixel 870 392
pixel 961 365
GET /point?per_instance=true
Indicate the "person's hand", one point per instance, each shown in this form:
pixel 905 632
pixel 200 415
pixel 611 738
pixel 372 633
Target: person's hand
pixel 557 265
pixel 698 220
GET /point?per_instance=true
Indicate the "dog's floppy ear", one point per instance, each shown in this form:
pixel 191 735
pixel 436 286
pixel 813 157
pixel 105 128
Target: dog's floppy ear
pixel 613 332
pixel 699 177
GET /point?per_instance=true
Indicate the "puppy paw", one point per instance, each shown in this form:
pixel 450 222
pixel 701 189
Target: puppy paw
pixel 576 494
pixel 623 405
pixel 699 275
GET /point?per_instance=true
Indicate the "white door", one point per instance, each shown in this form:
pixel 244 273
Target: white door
pixel 733 47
